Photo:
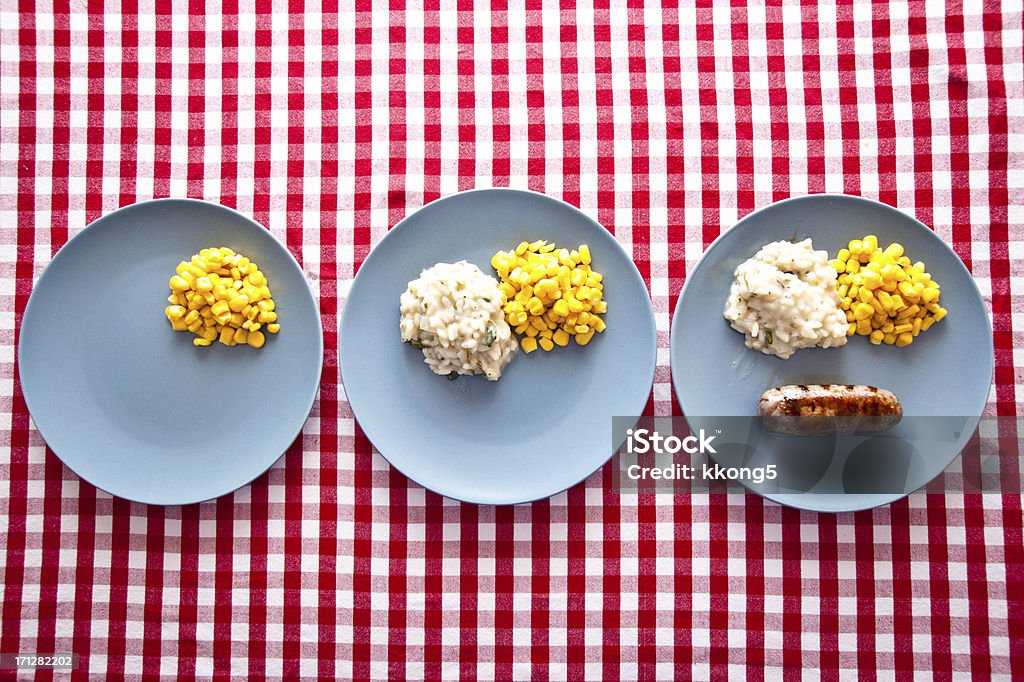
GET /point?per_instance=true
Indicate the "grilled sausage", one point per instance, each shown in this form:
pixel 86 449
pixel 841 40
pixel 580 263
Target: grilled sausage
pixel 833 408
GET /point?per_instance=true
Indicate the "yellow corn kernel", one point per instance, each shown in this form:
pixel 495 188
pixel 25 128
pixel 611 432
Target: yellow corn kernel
pixel 909 311
pixel 863 311
pixel 889 339
pixel 178 284
pixel 597 324
pixel 856 246
pixel 865 295
pixel 838 265
pixel 870 278
pixel 895 250
pixel 538 323
pixel 864 327
pixel 179 325
pixel 174 312
pixel 546 287
pixel 575 306
pixel 843 255
pixel 199 341
pixel 584 254
pixel 939 314
pixel 546 344
pixel 870 243
pixel 600 307
pixel 561 308
pixel 532 331
pixel 906 289
pixel 238 303
pixel 904 339
pixel 529 344
pixel 560 337
pixel 273 328
pixel 876 337
pixel 584 339
pixel 255 339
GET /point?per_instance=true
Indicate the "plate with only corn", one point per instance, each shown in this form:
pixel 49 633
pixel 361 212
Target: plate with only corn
pixel 936 354
pixel 546 424
pixel 139 410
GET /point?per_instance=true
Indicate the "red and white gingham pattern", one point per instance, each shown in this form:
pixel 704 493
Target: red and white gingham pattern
pixel 329 122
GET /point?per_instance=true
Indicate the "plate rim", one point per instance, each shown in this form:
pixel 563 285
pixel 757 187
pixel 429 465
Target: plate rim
pixel 206 205
pixel 402 224
pixel 789 499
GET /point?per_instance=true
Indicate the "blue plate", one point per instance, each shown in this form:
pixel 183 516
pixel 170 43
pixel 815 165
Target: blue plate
pixel 946 372
pixel 547 423
pixel 133 407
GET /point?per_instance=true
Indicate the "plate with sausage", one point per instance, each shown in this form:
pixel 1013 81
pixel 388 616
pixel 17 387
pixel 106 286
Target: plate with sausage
pixel 855 409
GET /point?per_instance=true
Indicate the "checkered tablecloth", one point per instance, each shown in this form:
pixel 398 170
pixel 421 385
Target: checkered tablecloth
pixel 328 122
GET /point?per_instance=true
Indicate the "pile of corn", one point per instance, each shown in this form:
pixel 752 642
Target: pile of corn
pixel 221 296
pixel 551 295
pixel 885 297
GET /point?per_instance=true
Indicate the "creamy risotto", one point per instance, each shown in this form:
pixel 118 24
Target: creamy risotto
pixel 784 299
pixel 453 313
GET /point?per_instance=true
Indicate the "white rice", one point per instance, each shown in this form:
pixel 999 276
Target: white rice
pixel 784 299
pixel 453 311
